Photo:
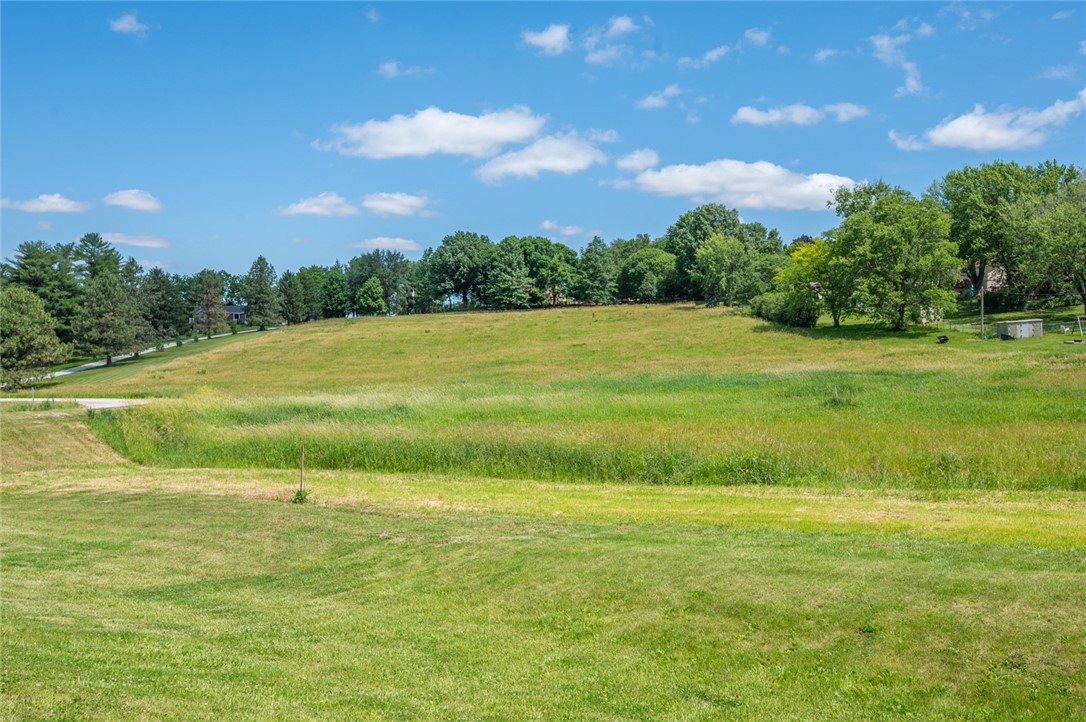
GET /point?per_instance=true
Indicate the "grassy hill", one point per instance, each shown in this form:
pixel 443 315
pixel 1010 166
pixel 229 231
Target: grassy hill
pixel 480 542
pixel 662 394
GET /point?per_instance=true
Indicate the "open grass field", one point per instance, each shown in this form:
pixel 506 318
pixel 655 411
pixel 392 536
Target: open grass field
pixel 658 394
pixel 593 514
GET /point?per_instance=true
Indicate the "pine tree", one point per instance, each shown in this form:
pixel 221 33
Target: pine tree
pixel 208 314
pixel 508 284
pixel 110 322
pixel 292 296
pixel 262 296
pixel 28 345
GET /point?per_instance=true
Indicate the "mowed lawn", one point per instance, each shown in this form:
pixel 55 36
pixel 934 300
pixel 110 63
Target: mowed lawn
pixel 141 593
pixel 661 394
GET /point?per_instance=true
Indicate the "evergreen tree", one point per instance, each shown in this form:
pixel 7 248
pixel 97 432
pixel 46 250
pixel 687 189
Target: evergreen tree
pixel 508 284
pixel 164 304
pixel 208 315
pixel 110 322
pixel 49 272
pixel 28 345
pixel 598 278
pixel 262 295
pixel 335 303
pixel 371 299
pixel 292 297
pixel 98 257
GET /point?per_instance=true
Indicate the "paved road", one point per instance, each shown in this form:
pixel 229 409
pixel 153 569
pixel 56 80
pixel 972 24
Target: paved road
pixel 171 344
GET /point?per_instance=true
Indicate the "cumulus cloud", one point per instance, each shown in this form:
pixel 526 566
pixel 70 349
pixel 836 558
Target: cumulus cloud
pixel 392 70
pixel 798 114
pixel 560 229
pixel 1063 15
pixel 396 204
pixel 325 204
pixel 128 24
pixel 639 160
pixel 51 203
pixel 707 59
pixel 434 130
pixel 660 98
pixel 137 240
pixel 565 154
pixel 552 40
pixel 135 199
pixel 1004 129
pixel 386 243
pixel 906 142
pixel 760 185
pixel 844 112
pixel 603 136
pixel 758 36
pixel 621 25
pixel 924 30
pixel 825 54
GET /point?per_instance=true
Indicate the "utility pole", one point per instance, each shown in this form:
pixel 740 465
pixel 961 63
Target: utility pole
pixel 982 275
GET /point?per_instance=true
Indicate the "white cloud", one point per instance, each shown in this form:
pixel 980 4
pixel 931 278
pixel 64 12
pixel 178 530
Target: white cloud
pixel 1082 47
pixel 128 24
pixel 396 204
pixel 759 185
pixel 603 136
pixel 707 59
pixel 924 30
pixel 388 244
pixel 906 142
pixel 1063 15
pixel 757 36
pixel 392 70
pixel 619 26
pixel 549 225
pixel 639 160
pixel 562 230
pixel 970 17
pixel 659 99
pixel 607 55
pixel 137 240
pixel 795 114
pixel 889 50
pixel 44 226
pixel 565 154
pixel 52 203
pixel 798 114
pixel 844 112
pixel 553 40
pixel 373 16
pixel 825 54
pixel 146 263
pixel 325 204
pixel 434 130
pixel 1058 72
pixel 135 199
pixel 1006 128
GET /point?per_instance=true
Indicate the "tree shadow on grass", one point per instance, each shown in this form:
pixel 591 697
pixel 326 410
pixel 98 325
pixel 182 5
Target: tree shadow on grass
pixel 848 332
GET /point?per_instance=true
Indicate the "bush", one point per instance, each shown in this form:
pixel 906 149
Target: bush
pixel 1007 300
pixel 790 309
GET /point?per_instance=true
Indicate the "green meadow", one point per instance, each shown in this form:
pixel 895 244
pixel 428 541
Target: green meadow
pixel 634 512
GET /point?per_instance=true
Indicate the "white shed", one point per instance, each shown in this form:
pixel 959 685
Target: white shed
pixel 1024 328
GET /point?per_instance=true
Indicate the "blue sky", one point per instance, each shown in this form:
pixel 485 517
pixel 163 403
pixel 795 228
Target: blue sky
pixel 200 135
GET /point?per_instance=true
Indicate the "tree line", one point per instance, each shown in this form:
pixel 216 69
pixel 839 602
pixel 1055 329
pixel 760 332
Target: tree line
pixel 894 257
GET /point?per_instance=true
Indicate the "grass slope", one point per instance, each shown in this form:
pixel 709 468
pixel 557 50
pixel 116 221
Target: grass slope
pixel 662 394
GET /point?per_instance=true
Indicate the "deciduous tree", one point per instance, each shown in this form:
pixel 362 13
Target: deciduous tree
pixel 28 345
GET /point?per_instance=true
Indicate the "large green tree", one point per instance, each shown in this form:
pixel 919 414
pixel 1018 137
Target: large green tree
pixel 597 280
pixel 508 282
pixel 292 296
pixel 110 323
pixel 906 264
pixel 648 275
pixel 262 296
pixel 978 199
pixel 692 230
pixel 370 300
pixel 460 264
pixel 28 345
pixel 826 268
pixel 49 272
pixel 724 271
pixel 164 304
pixel 97 257
pixel 209 316
pixel 1057 227
pixel 335 294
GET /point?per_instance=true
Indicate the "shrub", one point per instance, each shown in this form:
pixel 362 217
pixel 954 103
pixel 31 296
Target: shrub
pixel 790 309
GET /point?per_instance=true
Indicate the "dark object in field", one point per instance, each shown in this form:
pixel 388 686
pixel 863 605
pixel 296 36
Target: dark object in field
pixel 943 339
pixel 1077 340
pixel 1005 337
